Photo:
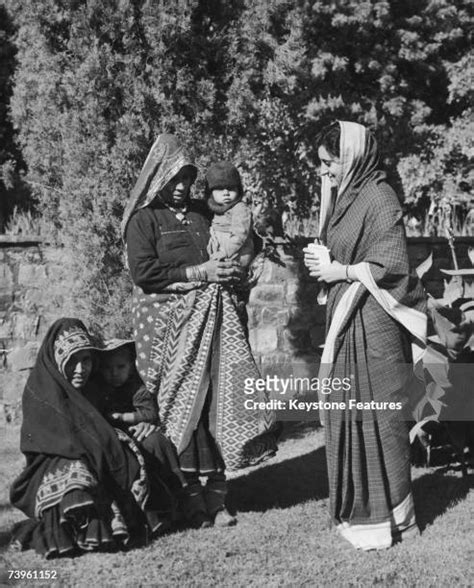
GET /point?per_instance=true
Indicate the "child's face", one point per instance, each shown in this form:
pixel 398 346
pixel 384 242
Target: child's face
pixel 117 367
pixel 226 195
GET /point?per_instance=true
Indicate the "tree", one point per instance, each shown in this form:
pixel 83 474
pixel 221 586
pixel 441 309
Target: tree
pixel 12 189
pixel 249 81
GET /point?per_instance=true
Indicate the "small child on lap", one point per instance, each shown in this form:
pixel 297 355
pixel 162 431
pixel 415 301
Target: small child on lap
pixel 128 405
pixel 126 399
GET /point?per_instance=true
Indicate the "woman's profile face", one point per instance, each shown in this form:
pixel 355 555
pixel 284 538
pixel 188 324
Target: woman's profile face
pixel 176 190
pixel 330 166
pixel 79 368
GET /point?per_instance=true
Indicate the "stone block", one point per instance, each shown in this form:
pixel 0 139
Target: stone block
pixel 32 275
pixel 6 301
pixel 24 357
pixel 6 328
pixel 11 386
pixel 267 293
pixel 253 320
pixel 24 326
pixel 271 316
pixel 267 275
pixel 6 280
pixel 292 289
pixel 264 339
pixel 277 364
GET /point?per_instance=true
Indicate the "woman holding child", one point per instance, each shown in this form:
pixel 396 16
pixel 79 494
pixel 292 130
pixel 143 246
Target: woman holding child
pixel 374 307
pixel 192 352
pixel 85 485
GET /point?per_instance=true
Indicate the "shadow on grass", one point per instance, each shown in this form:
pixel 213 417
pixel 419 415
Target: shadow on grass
pixel 434 493
pixel 298 429
pixel 282 485
pixel 5 538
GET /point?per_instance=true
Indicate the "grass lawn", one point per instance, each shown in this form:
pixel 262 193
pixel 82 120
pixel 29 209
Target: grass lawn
pixel 282 537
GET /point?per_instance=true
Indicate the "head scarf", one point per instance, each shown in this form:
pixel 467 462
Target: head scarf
pixel 360 162
pixel 69 341
pixel 58 420
pixel 165 159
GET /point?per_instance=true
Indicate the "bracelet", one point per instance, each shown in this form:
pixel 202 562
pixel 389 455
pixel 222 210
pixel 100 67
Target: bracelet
pixel 191 273
pixel 201 273
pixel 196 273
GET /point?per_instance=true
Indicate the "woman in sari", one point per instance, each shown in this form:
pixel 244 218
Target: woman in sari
pixel 192 352
pixel 375 308
pixel 84 486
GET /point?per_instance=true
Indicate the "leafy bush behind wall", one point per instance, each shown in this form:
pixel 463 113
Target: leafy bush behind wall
pixel 251 81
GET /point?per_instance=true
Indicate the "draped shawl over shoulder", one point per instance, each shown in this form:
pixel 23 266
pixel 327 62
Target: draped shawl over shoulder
pixel 365 230
pixel 59 420
pixel 165 159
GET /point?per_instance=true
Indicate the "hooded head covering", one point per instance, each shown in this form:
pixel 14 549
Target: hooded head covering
pixel 114 344
pixel 109 346
pixel 165 159
pixel 359 157
pixel 73 338
pixel 58 420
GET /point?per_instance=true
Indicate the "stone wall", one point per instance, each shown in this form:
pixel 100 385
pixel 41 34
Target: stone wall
pixel 33 293
pixel 286 326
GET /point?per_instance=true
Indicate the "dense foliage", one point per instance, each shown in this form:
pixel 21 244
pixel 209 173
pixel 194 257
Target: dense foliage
pixel 96 81
pixel 13 192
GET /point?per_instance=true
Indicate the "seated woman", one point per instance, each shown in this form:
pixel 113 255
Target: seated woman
pixel 84 487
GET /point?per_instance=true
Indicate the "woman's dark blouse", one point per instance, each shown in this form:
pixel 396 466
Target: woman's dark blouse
pixel 160 247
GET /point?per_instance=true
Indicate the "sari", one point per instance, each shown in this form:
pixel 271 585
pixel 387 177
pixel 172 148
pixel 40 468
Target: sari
pixel 376 329
pixel 192 349
pixel 84 486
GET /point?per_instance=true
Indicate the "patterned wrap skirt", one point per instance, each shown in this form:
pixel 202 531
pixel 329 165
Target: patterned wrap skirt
pixel 193 354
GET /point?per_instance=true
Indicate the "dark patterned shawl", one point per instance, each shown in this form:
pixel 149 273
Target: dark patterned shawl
pixel 58 420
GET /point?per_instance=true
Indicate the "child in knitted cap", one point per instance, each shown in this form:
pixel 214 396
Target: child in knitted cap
pixel 127 401
pixel 128 405
pixel 231 228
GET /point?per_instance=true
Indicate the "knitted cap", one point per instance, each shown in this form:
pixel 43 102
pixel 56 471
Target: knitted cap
pixel 114 344
pixel 223 175
pixel 70 341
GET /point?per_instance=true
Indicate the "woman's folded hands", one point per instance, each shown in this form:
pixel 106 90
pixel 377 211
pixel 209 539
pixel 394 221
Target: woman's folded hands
pixel 325 272
pixel 222 271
